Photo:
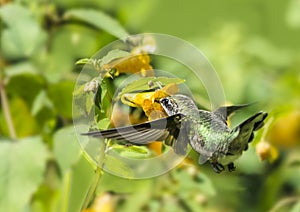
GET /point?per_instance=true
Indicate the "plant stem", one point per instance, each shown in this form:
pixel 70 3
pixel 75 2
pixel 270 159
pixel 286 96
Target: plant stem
pixel 5 107
pixel 98 174
pixel 66 192
pixel 92 189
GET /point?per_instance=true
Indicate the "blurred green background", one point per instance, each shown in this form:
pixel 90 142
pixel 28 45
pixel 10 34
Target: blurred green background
pixel 253 45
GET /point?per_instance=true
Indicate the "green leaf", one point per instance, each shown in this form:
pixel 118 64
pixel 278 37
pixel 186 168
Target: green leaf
pixel 117 167
pixel 83 61
pixel 103 123
pixel 83 101
pixel 77 41
pixel 45 198
pixel 24 123
pixel 40 102
pixel 98 63
pixel 21 68
pixel 89 102
pixel 113 55
pixel 31 82
pixel 88 95
pixel 76 184
pixel 22 167
pixel 143 84
pixel 293 14
pixel 131 151
pixel 205 184
pixel 15 43
pixel 198 183
pixel 66 148
pixel 141 195
pixel 98 19
pixel 61 96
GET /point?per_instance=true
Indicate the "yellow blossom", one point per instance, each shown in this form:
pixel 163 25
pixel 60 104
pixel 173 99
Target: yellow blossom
pixel 149 101
pixel 266 151
pixel 131 64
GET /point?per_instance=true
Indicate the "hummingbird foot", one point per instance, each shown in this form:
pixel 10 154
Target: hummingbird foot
pixel 231 167
pixel 217 167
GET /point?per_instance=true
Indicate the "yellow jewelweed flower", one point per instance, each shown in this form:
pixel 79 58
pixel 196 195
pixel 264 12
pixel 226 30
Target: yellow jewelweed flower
pixel 148 101
pixel 131 64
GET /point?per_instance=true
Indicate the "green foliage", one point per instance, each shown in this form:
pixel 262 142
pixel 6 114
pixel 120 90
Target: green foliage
pixel 142 84
pixel 131 151
pixel 98 19
pixel 78 185
pixel 22 168
pixel 98 63
pixel 254 49
pixel 15 43
pixel 61 95
pixel 38 51
pixel 64 139
pixel 293 16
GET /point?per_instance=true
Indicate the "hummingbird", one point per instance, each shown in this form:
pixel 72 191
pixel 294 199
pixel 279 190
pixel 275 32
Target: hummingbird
pixel 207 132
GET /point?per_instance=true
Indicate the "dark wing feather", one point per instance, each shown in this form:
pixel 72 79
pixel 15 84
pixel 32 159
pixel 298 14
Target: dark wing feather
pixel 246 130
pixel 181 143
pixel 253 123
pixel 225 111
pixel 157 130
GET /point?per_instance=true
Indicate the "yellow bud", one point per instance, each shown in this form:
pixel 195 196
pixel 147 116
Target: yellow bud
pixel 266 151
pixel 286 130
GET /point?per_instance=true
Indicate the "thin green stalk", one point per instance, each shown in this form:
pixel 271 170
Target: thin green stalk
pixel 97 176
pixel 5 108
pixel 92 188
pixel 65 192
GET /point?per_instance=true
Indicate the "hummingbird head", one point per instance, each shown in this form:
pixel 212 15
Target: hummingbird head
pixel 179 104
pixel 170 105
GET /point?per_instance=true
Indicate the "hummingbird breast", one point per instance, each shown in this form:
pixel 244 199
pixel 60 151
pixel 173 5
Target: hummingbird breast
pixel 209 136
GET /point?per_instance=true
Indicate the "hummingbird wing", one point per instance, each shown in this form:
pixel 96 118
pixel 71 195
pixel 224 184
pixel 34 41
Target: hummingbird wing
pixel 168 129
pixel 225 111
pixel 178 139
pixel 246 132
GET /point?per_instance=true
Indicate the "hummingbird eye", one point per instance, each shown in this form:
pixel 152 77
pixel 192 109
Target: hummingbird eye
pixel 164 101
pixel 167 103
